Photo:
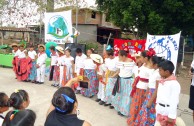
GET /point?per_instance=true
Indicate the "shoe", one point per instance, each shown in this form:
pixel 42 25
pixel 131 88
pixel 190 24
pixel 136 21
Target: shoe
pixel 41 82
pixel 77 92
pixel 28 80
pixel 111 107
pixel 91 96
pixel 97 100
pixel 33 81
pixel 56 85
pixel 36 82
pixel 106 104
pixel 101 103
pixel 16 78
pixel 53 85
pixel 119 113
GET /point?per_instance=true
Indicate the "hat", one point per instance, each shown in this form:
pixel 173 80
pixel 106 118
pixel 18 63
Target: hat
pixel 14 44
pixel 97 58
pixel 22 45
pixel 41 45
pixel 136 54
pixel 60 49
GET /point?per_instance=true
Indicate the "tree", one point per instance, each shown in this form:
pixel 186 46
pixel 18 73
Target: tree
pixel 150 16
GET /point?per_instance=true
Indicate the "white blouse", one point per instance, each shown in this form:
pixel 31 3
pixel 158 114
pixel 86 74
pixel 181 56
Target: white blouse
pixel 61 60
pixel 54 59
pixel 22 54
pixel 136 70
pixel 111 64
pixel 32 54
pixel 154 76
pixel 16 53
pixel 89 64
pixel 126 69
pixel 144 73
pixel 102 69
pixel 68 61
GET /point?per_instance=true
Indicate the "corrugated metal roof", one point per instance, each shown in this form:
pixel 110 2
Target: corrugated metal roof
pixel 16 29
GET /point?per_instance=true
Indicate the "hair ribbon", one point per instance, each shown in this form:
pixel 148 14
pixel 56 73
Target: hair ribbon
pixel 13 114
pixel 108 47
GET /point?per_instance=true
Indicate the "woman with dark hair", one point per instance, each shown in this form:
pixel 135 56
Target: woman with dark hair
pixel 20 118
pixel 91 73
pixel 4 106
pixel 140 86
pixel 63 110
pixel 19 100
pixel 124 82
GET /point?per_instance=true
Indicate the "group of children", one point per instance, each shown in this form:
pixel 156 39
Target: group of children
pixel 27 65
pixel 144 90
pixel 19 116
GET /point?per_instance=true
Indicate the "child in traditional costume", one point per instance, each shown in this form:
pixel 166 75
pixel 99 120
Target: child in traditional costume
pixel 15 52
pixel 123 85
pixel 24 64
pixel 61 64
pixel 68 67
pixel 191 100
pixel 41 64
pixel 54 71
pixel 91 73
pixel 147 114
pixel 111 65
pixel 140 86
pixel 33 55
pixel 79 65
pixel 167 95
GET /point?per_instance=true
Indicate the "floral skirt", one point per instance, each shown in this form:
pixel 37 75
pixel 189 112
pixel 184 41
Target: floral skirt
pixel 122 100
pixel 94 82
pixel 137 102
pixel 147 116
pixel 109 89
pixel 32 75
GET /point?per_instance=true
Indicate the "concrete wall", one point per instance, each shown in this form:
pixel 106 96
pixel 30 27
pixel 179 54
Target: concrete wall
pixel 88 33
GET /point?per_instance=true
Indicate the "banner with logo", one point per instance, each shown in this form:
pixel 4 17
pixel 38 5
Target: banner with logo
pixel 129 45
pixel 166 46
pixel 58 27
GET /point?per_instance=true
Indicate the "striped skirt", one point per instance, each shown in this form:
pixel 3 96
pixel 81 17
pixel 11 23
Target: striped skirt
pixel 136 104
pixel 32 75
pixel 94 82
pixel 109 89
pixel 122 100
pixel 147 116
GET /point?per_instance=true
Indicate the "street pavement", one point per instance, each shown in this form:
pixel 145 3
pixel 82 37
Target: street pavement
pixel 41 95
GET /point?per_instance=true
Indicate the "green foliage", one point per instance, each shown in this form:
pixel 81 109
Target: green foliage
pixel 151 16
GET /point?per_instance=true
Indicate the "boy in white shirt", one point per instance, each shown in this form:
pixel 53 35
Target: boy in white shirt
pixel 41 64
pixel 79 64
pixel 33 56
pixel 167 95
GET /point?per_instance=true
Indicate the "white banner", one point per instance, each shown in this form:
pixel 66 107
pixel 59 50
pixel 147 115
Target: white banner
pixel 58 27
pixel 165 46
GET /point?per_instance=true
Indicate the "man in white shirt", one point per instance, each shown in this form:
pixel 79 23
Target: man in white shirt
pixel 41 64
pixel 167 95
pixel 79 63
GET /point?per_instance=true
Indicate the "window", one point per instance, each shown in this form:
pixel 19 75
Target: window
pixel 93 15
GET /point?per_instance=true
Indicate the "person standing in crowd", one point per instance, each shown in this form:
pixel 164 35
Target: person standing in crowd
pixel 124 82
pixel 4 106
pixel 191 100
pixel 24 64
pixel 54 71
pixel 63 109
pixel 33 55
pixel 147 114
pixel 91 73
pixel 15 52
pixel 167 95
pixel 139 63
pixel 111 65
pixel 79 64
pixel 68 67
pixel 61 64
pixel 20 118
pixel 41 64
pixel 140 86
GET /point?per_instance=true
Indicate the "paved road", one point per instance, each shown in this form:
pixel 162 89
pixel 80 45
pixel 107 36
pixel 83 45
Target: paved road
pixel 40 97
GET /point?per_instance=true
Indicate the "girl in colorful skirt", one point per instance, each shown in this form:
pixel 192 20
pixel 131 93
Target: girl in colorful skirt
pixel 68 67
pixel 111 65
pixel 91 73
pixel 33 55
pixel 147 114
pixel 140 86
pixel 122 100
pixel 16 53
pixel 54 71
